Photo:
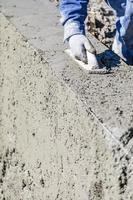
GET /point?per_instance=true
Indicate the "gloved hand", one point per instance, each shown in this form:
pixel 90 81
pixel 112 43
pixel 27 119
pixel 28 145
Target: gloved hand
pixel 79 44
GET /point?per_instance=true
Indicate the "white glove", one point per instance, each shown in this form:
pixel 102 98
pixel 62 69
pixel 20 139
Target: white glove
pixel 117 47
pixel 79 44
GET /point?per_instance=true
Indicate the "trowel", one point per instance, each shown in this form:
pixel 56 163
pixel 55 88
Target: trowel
pixel 92 61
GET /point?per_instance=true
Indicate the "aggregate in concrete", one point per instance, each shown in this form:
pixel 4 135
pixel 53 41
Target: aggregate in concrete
pixel 86 149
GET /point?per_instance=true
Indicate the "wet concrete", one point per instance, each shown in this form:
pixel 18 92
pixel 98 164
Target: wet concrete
pixel 86 147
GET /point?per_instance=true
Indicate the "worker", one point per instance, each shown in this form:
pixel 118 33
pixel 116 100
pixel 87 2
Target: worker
pixel 73 15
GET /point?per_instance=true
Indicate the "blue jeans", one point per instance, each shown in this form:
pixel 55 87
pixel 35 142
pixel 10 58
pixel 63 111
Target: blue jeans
pixel 74 12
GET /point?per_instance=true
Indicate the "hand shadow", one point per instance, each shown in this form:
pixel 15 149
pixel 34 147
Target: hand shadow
pixel 108 60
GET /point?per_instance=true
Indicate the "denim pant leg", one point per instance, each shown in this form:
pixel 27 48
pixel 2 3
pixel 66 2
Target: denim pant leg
pixel 124 27
pixel 128 36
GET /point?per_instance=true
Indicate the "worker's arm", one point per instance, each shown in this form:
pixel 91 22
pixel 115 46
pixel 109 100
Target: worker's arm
pixel 73 15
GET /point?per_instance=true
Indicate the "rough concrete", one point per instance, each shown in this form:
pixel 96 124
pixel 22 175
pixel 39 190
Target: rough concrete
pixel 66 134
pixel 101 21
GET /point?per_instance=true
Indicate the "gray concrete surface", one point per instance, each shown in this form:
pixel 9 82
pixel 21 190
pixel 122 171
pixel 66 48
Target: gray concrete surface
pixel 65 133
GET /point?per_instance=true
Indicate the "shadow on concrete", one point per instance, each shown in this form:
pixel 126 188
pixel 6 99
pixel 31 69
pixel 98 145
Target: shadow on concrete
pixel 108 59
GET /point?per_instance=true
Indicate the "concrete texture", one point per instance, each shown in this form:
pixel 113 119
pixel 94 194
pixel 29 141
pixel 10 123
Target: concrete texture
pixel 101 21
pixel 65 133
